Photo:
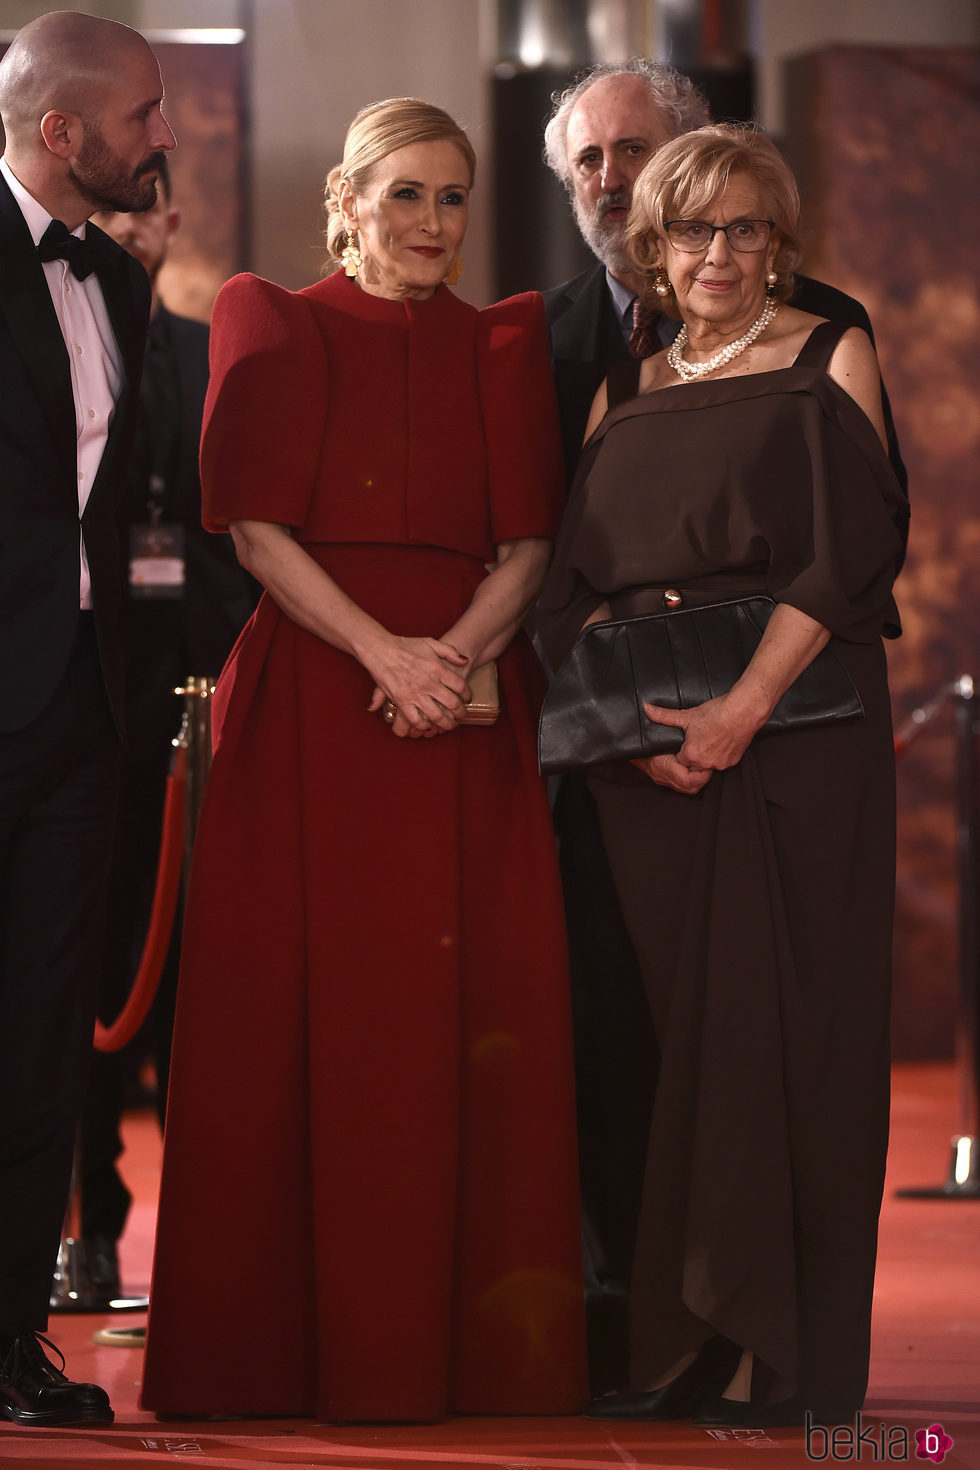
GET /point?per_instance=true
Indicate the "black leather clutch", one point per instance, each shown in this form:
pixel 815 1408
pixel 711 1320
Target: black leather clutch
pixel 593 712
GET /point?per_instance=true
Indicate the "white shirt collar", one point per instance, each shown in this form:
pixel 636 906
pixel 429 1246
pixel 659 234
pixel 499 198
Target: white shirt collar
pixel 35 215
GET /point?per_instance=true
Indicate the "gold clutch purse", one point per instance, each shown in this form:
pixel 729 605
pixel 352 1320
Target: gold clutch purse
pixel 484 707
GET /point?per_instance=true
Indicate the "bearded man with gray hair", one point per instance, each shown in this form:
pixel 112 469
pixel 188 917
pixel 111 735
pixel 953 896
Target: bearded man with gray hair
pixel 602 131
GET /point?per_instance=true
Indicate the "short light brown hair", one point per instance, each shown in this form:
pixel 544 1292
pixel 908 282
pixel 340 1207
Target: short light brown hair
pixel 683 180
pixel 375 132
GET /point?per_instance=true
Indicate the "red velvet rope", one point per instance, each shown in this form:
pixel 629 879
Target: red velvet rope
pixel 165 894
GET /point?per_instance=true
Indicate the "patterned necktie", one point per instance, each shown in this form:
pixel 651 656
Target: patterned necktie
pixel 83 256
pixel 643 338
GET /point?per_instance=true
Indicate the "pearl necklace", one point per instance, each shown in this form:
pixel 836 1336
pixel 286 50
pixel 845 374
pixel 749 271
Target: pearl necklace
pixel 689 371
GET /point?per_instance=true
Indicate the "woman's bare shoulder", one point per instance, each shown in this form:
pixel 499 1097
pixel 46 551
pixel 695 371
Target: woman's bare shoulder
pixel 854 368
pixel 656 372
pixel 792 327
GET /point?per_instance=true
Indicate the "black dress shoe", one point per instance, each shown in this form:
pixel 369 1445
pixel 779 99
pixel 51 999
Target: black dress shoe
pixel 707 1375
pixel 102 1264
pixel 34 1392
pixel 716 1412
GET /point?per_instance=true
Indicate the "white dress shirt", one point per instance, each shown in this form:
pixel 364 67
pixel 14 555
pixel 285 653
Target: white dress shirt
pixel 96 364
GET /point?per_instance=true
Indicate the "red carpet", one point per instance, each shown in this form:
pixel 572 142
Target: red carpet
pixel 925 1366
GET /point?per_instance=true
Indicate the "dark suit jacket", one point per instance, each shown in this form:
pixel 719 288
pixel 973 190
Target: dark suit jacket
pixel 39 551
pixel 165 641
pixel 587 340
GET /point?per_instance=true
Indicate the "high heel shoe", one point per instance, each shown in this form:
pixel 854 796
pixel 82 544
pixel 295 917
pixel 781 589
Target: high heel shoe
pixel 714 1411
pixel 729 1408
pixel 711 1370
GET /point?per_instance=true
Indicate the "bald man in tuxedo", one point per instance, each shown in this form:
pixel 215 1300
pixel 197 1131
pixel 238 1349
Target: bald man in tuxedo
pixel 81 106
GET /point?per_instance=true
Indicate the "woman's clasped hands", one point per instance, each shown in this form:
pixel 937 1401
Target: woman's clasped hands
pixel 716 736
pixel 421 687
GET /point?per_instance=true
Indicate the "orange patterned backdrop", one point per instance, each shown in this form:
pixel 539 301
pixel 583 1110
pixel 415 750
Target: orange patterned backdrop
pixel 885 143
pixel 205 107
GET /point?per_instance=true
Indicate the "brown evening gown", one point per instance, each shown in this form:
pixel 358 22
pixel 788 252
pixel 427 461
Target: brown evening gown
pixel 761 909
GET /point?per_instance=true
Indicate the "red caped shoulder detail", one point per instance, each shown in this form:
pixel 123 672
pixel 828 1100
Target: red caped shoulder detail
pixel 263 416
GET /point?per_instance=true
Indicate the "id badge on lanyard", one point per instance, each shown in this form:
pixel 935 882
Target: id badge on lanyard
pixel 156 553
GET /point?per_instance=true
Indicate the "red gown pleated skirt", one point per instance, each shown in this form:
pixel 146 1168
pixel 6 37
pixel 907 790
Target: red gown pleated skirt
pixel 369 1203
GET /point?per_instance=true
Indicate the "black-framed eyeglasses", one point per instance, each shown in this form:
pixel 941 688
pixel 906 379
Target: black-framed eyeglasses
pixel 694 236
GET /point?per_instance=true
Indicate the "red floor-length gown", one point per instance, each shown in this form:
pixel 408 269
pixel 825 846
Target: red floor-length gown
pixel 369 1201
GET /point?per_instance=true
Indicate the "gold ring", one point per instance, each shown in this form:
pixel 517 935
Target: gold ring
pixel 389 710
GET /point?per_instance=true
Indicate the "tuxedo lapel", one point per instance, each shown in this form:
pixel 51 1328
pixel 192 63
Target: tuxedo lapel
pixel 26 306
pixel 126 292
pixel 127 323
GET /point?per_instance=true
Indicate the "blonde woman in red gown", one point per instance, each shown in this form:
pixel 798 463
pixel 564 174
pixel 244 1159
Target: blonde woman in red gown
pixel 369 1201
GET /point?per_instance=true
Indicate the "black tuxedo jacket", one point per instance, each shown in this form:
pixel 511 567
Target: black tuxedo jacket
pixel 587 340
pixel 39 550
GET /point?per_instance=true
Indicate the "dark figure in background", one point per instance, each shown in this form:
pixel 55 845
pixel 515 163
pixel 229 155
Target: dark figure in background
pixel 80 100
pixel 181 615
pixel 601 133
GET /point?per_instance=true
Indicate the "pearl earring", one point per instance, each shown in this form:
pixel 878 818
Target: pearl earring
pixel 772 281
pixel 661 283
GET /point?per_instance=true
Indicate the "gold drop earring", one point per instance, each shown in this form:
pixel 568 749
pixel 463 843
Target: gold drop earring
pixel 455 272
pixel 350 256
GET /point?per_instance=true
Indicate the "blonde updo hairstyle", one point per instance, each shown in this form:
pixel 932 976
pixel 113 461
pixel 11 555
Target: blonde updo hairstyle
pixel 683 180
pixel 377 131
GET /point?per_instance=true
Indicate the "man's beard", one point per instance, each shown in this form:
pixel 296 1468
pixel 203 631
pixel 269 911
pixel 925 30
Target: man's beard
pixel 604 237
pixel 105 182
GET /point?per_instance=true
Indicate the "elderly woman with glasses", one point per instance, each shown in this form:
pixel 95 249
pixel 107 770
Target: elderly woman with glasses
pixel 755 868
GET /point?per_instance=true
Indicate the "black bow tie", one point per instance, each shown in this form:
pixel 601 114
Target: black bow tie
pixel 83 256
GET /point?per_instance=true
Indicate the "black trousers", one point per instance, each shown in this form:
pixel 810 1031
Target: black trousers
pixel 58 783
